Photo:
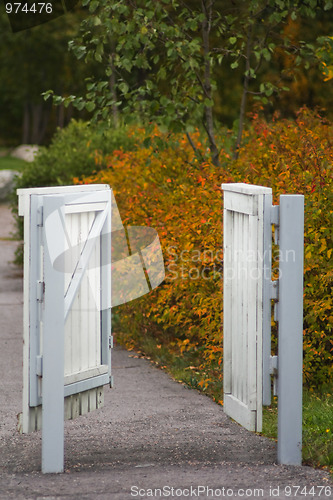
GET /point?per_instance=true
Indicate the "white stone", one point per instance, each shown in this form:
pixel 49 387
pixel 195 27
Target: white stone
pixel 25 152
pixel 6 183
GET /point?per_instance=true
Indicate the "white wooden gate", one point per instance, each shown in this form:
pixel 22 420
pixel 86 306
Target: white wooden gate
pixel 246 264
pixel 67 310
pixel 248 292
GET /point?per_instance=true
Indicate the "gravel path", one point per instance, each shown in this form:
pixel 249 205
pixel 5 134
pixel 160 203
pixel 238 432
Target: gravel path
pixel 153 438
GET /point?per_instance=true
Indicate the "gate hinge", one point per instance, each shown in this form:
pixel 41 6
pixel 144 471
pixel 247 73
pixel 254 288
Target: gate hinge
pixel 275 219
pixel 111 382
pixel 275 215
pixel 40 291
pixel 276 311
pixel 274 295
pixel 111 342
pixel 39 366
pixel 275 290
pixel 273 365
pixel 40 217
pixel 273 370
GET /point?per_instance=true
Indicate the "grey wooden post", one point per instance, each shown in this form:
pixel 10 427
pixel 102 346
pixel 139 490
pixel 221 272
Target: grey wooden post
pixel 266 299
pixel 53 348
pixel 106 323
pixel 290 336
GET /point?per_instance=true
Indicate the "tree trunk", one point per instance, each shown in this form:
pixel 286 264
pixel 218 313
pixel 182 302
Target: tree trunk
pixel 39 122
pixel 245 92
pixel 69 114
pixel 61 115
pixel 112 85
pixel 26 124
pixel 241 117
pixel 36 121
pixel 208 110
pixel 46 110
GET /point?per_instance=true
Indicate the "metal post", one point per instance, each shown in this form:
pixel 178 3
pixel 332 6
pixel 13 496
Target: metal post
pixel 290 339
pixel 53 345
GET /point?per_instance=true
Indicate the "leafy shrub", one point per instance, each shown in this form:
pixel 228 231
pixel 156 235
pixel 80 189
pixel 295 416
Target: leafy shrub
pixel 172 190
pixel 72 153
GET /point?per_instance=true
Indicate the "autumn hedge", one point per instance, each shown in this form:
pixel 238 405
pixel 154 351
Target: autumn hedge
pixel 164 184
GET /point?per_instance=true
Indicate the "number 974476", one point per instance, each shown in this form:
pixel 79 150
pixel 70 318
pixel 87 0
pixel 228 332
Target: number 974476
pixel 25 8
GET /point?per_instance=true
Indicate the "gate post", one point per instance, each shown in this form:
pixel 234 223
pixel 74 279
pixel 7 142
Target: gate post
pixel 290 330
pixel 53 350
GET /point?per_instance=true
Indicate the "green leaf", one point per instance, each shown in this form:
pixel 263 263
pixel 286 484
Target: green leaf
pixel 90 106
pixel 47 94
pixel 250 73
pixel 93 5
pixel 220 58
pixel 266 54
pixel 123 87
pixel 57 100
pixel 127 64
pixel 79 104
pixel 280 4
pixel 101 86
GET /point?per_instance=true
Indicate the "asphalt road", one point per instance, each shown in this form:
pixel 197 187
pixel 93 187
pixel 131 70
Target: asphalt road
pixel 154 438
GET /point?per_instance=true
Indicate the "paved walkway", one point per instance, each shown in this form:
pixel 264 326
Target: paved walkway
pixel 152 432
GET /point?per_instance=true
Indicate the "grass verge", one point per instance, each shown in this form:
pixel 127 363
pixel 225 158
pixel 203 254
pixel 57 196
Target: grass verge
pixel 317 427
pixel 10 163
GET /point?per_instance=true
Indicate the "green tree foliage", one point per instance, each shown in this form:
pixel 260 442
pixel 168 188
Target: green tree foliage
pixel 161 57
